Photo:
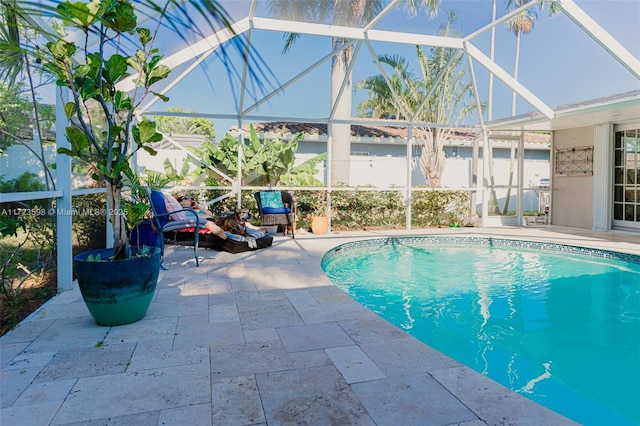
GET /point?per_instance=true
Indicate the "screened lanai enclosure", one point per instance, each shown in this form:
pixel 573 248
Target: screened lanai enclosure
pixel 405 96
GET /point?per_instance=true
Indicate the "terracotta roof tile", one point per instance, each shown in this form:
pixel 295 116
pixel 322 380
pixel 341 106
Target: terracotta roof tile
pixel 376 131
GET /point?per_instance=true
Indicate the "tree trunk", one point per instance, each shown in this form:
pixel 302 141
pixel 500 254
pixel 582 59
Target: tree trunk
pixel 116 216
pixel 492 57
pixel 341 133
pixel 432 158
pixel 515 74
pixel 474 179
pixel 505 209
pixel 492 180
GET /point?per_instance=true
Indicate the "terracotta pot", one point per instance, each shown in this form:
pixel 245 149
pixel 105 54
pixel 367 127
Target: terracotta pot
pixel 319 224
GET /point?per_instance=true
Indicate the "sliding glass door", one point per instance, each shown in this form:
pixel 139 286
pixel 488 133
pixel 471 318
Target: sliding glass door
pixel 626 178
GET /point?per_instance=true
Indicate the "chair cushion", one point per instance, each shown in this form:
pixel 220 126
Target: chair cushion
pixel 271 200
pixel 173 205
pixel 157 198
pixel 276 210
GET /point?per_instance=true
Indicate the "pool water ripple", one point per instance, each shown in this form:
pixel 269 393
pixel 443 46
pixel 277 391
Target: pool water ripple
pixel 562 329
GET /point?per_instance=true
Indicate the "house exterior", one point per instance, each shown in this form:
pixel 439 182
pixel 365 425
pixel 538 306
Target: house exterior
pixel 595 180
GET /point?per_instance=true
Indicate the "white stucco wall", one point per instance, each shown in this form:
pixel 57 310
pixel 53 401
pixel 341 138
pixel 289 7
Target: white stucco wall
pixel 572 196
pixel 379 171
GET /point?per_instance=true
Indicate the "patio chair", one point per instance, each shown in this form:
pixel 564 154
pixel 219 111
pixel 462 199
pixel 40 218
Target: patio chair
pixel 176 218
pixel 277 208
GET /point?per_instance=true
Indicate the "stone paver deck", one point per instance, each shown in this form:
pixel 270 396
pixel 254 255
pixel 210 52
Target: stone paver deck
pixel 250 339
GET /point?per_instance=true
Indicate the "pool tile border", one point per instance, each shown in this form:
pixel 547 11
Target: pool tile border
pixel 433 240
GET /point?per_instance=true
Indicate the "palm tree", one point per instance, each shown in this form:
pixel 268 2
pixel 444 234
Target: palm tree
pixel 343 13
pixel 522 23
pixel 450 100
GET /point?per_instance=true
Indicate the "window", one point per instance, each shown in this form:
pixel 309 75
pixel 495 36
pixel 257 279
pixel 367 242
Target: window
pixel 626 178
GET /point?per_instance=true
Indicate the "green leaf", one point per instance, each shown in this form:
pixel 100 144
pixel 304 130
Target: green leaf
pixel 122 101
pixel 70 110
pixel 144 35
pixel 81 14
pixel 161 96
pixel 169 170
pixel 78 139
pixel 134 213
pixel 158 73
pixel 66 151
pixel 115 69
pixel 150 150
pixel 61 49
pixel 145 132
pixel 136 65
pixel 121 18
pixel 9 225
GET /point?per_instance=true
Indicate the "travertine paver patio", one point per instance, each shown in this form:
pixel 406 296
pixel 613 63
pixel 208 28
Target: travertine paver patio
pixel 254 338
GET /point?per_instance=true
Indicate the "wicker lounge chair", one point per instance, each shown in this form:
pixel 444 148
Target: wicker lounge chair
pixel 276 208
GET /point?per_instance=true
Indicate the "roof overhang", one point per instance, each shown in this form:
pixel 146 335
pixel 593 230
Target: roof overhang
pixel 622 108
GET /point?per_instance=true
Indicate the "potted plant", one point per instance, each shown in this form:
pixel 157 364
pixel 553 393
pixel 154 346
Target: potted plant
pixel 319 218
pixel 103 132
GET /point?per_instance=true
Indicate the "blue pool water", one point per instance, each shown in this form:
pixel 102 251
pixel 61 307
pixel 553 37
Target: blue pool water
pixel 562 329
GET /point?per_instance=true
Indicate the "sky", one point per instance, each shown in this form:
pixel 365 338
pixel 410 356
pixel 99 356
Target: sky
pixel 559 62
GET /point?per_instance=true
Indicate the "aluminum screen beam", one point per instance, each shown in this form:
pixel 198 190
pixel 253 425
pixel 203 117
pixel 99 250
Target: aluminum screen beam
pixel 505 18
pixel 325 30
pixel 284 86
pixel 602 37
pixel 175 81
pixel 196 49
pixel 384 75
pixel 381 15
pixel 507 79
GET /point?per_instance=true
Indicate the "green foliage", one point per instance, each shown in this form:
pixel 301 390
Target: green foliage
pixel 19 215
pixel 270 162
pixel 27 236
pixel 102 130
pixel 440 208
pixel 185 125
pixel 362 209
pixel 21 118
pixel 92 258
pixel 15 109
pixel 134 213
pixel 90 221
pixel 367 208
pixel 440 93
pixel 179 177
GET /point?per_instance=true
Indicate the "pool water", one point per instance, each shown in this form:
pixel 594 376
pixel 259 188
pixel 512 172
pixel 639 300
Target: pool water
pixel 561 329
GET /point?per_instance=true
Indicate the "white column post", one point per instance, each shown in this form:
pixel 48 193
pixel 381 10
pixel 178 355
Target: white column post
pixel 520 196
pixel 238 183
pixel 485 178
pixel 602 175
pixel 329 170
pixel 409 194
pixel 63 204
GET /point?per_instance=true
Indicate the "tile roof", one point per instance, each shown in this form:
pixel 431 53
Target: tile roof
pixel 377 131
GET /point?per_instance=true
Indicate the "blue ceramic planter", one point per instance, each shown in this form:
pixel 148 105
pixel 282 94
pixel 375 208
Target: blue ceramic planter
pixel 117 292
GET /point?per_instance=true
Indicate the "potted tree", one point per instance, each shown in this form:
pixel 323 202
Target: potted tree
pixel 103 132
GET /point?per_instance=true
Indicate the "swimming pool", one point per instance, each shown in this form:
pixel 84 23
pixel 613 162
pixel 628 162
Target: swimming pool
pixel 556 323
